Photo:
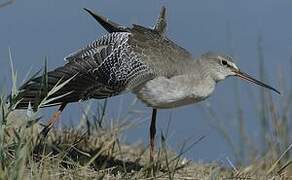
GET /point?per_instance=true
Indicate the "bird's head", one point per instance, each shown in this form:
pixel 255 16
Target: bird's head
pixel 221 66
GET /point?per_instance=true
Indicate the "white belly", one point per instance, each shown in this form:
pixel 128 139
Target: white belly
pixel 169 93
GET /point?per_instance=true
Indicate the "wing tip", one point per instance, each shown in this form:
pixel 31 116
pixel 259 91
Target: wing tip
pixel 107 24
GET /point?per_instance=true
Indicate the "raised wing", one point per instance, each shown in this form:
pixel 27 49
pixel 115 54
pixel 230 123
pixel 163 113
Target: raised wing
pixel 161 22
pixel 110 26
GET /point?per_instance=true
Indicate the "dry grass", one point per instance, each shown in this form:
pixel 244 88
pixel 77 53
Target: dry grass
pixel 75 154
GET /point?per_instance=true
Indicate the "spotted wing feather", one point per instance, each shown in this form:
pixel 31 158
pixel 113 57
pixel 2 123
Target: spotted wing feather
pixel 102 69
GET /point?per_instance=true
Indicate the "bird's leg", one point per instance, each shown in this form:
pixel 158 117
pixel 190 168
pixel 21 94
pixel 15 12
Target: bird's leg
pixel 53 120
pixel 152 134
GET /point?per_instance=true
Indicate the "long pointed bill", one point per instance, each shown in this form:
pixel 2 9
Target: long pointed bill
pixel 247 77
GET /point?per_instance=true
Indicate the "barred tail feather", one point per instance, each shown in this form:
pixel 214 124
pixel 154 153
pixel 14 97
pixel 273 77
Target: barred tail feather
pixel 36 89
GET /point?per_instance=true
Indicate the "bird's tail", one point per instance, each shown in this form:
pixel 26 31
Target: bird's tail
pixel 62 85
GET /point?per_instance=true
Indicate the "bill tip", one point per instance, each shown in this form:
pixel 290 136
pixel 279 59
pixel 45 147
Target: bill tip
pixel 278 92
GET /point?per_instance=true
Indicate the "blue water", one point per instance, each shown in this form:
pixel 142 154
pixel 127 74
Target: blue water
pixel 36 29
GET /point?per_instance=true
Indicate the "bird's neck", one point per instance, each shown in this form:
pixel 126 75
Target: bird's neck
pixel 202 80
pixel 203 71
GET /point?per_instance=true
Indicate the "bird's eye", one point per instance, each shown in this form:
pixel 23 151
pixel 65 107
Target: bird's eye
pixel 224 62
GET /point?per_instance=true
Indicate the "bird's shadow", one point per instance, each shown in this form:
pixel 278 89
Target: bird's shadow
pixel 72 155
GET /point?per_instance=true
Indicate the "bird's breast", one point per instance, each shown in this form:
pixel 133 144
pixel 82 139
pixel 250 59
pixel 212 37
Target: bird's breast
pixel 165 93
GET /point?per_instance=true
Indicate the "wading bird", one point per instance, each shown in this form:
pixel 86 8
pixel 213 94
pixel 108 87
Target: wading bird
pixel 139 60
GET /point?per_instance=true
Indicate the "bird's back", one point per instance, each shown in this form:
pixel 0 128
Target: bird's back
pixel 165 57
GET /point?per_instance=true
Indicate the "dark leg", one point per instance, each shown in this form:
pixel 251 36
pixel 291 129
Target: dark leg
pixel 53 120
pixel 152 134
